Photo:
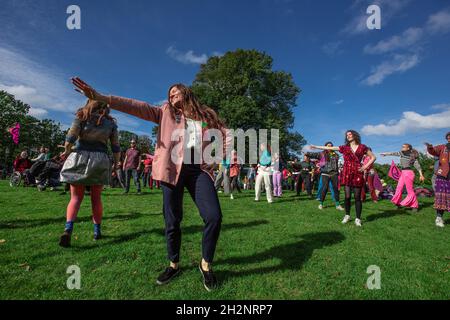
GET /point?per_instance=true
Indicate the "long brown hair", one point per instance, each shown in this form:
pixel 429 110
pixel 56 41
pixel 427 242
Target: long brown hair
pixel 93 106
pixel 356 137
pixel 194 109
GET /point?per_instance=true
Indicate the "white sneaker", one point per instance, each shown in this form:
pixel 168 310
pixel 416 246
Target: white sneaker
pixel 346 219
pixel 439 222
pixel 358 222
pixel 339 208
pixel 256 199
pixel 231 196
pixel 320 207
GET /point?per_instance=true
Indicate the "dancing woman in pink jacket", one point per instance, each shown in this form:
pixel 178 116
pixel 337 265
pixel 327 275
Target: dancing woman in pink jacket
pixel 178 164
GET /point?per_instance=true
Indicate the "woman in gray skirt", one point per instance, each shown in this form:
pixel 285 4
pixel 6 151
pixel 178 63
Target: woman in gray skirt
pixel 88 164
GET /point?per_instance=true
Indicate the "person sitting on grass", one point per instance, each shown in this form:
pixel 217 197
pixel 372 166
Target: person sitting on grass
pixel 22 162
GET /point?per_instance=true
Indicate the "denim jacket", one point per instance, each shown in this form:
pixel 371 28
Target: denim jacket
pixel 87 136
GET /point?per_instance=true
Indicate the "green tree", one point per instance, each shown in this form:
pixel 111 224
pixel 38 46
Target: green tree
pixel 145 144
pixel 12 111
pixel 242 87
pixel 33 132
pixel 124 139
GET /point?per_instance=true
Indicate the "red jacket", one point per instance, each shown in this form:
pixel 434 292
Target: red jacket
pixel 21 164
pixel 442 152
pixel 234 167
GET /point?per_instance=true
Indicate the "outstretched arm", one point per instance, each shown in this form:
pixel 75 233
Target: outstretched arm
pixel 133 107
pixel 324 148
pixel 396 154
pixel 434 151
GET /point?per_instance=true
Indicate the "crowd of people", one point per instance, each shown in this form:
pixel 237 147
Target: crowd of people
pixel 85 164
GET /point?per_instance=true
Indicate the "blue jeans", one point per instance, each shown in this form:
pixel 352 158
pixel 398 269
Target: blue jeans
pixel 137 183
pixel 330 186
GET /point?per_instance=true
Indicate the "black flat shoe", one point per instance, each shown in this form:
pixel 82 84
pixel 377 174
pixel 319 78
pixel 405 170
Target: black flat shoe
pixel 209 279
pixel 64 241
pixel 167 275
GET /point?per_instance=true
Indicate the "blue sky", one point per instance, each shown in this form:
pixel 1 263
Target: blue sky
pixel 392 84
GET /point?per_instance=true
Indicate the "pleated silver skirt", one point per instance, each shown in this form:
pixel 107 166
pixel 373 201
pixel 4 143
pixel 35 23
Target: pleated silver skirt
pixel 87 168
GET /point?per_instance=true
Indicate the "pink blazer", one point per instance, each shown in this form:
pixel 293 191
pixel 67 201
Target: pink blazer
pixel 164 169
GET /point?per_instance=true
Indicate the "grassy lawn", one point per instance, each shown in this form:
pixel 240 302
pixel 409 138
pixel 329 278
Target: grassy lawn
pixel 286 250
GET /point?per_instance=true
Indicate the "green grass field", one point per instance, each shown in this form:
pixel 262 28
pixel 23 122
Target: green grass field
pixel 286 250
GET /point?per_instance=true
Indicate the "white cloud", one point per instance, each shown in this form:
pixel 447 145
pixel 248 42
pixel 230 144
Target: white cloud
pixel 441 106
pixel 38 112
pixel 332 48
pixel 341 101
pixel 35 84
pixel 407 39
pixel 398 64
pixel 439 22
pixel 357 25
pixel 410 122
pixel 188 57
pixel 217 54
pixel 124 120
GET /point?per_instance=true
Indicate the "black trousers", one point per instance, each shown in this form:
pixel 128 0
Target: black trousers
pixel 334 183
pixel 146 178
pixel 234 184
pixel 201 188
pixel 306 177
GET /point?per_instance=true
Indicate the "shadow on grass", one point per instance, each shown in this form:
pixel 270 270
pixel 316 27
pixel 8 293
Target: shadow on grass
pixel 386 214
pixel 187 230
pixel 292 255
pixel 132 194
pixel 290 199
pixel 197 229
pixel 109 240
pixel 424 205
pixel 33 223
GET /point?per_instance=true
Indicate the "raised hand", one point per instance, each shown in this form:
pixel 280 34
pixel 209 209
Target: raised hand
pixel 85 89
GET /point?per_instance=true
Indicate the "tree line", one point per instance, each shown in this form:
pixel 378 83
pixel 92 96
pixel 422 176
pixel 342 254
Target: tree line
pixel 35 132
pixel 241 86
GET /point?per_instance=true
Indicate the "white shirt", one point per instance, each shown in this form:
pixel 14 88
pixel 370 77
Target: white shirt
pixel 193 133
